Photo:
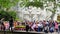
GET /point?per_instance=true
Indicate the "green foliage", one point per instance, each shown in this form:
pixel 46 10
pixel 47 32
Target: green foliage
pixel 58 4
pixel 7 15
pixel 51 0
pixel 23 3
pixel 36 4
pixel 3 14
pixel 13 14
pixel 8 3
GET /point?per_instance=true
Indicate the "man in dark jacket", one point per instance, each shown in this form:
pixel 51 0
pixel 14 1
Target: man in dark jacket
pixel 11 22
pixel 0 18
pixel 27 26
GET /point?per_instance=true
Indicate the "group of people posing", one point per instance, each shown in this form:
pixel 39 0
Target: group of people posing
pixel 9 23
pixel 39 26
pixel 46 26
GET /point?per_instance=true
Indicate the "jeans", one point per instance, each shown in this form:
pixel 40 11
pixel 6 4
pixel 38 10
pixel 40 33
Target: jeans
pixel 39 29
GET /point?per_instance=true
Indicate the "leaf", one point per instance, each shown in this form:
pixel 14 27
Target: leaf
pixel 36 4
pixel 8 3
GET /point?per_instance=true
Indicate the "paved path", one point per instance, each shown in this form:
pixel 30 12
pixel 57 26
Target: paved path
pixel 40 32
pixel 29 32
pixel 53 33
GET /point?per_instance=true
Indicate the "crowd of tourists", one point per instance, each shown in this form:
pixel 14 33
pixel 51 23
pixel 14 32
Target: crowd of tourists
pixel 46 26
pixel 39 26
pixel 6 24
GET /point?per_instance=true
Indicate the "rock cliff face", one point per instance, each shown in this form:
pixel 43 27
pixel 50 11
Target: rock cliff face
pixel 33 13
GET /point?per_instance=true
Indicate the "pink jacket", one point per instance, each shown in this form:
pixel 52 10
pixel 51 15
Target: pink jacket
pixel 56 26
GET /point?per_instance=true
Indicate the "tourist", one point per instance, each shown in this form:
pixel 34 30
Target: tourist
pixel 40 26
pixel 36 26
pixel 56 26
pixel 2 24
pixel 27 27
pixel 11 23
pixel 51 26
pixel 30 26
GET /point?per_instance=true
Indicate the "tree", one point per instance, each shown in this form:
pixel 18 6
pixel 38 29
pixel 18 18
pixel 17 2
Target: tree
pixel 23 3
pixel 7 15
pixel 27 3
pixel 7 3
pixel 35 3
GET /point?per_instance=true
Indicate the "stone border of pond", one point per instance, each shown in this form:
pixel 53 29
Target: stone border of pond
pixel 20 32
